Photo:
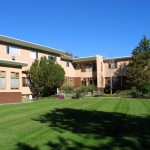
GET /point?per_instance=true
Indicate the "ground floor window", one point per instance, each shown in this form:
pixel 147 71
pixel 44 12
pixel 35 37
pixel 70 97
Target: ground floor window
pixel 25 82
pixel 88 81
pixel 2 79
pixel 14 80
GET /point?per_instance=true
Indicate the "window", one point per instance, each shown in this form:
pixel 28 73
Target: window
pixel 14 80
pixel 25 82
pixel 89 68
pixel 83 68
pixel 13 50
pixel 51 57
pixel 34 54
pixel 112 65
pixel 83 81
pixel 94 67
pixel 77 66
pixel 67 63
pixel 2 79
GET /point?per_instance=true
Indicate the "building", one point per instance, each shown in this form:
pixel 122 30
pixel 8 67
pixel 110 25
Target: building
pixel 16 56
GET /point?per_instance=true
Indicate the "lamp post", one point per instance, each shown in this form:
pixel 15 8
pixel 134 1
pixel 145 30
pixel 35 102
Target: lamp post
pixel 111 68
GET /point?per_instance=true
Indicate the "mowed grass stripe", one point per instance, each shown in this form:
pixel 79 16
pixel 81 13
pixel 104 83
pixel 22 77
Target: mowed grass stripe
pixel 19 123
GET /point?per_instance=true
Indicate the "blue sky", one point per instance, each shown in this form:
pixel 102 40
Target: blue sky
pixel 111 28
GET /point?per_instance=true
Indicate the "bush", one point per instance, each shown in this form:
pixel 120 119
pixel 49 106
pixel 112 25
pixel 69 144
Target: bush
pixel 68 89
pixel 78 93
pixel 132 92
pixel 124 93
pixel 91 88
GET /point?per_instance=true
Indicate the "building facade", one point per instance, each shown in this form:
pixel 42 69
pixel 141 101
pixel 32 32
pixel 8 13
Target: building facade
pixel 16 56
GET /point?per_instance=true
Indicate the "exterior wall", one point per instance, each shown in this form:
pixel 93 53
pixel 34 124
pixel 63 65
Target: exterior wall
pixel 100 72
pixel 119 71
pixel 77 82
pixel 80 76
pixel 70 72
pixel 69 81
pixel 73 77
pixel 8 71
pixel 10 97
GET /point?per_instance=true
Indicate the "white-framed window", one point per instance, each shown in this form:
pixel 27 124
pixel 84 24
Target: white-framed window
pixel 34 54
pixel 14 51
pixel 2 80
pixel 52 57
pixel 14 80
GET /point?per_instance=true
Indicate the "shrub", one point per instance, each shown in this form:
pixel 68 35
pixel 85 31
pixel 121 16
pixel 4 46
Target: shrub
pixel 91 89
pixel 124 93
pixel 68 89
pixel 78 93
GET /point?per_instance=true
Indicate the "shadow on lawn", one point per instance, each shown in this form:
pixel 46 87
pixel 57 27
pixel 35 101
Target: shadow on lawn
pixel 23 146
pixel 125 132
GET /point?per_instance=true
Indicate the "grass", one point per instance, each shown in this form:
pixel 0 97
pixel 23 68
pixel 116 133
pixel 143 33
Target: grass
pixel 85 124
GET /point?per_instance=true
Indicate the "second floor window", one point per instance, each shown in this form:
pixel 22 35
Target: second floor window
pixel 51 57
pixel 83 68
pixel 112 65
pixel 34 54
pixel 67 63
pixel 14 51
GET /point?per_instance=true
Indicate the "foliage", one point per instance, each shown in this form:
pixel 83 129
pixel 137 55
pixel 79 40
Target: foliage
pixel 78 93
pixel 83 89
pixel 45 77
pixel 92 88
pixel 118 83
pixel 124 93
pixel 67 89
pixel 139 68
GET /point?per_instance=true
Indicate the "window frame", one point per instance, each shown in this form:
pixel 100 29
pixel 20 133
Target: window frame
pixel 4 78
pixel 51 57
pixel 26 83
pixel 36 54
pixel 15 47
pixel 15 77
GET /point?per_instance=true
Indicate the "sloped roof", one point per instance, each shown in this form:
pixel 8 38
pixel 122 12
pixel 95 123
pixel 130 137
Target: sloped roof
pixel 30 45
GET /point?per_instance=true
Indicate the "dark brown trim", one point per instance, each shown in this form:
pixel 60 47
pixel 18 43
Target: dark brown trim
pixel 10 97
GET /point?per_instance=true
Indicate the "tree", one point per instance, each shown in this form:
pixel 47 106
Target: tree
pixel 45 76
pixel 138 69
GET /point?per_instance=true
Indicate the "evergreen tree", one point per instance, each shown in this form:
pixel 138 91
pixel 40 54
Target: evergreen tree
pixel 139 67
pixel 45 77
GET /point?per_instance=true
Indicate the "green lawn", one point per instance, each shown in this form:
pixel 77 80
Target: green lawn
pixel 85 124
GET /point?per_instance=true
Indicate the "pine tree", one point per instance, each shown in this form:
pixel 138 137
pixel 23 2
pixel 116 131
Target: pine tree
pixel 45 77
pixel 139 67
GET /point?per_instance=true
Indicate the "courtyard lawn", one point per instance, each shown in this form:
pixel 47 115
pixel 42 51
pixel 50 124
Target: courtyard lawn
pixel 84 124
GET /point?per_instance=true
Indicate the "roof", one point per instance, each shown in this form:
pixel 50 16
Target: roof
pixel 85 59
pixel 118 58
pixel 13 63
pixel 65 57
pixel 30 45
